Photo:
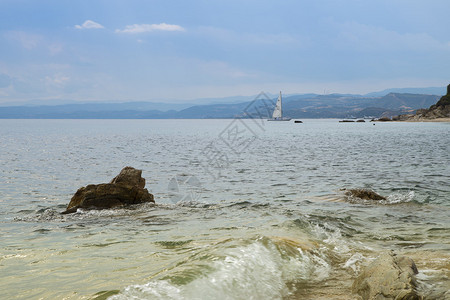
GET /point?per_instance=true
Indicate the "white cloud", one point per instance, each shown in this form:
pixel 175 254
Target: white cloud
pixel 142 28
pixel 88 24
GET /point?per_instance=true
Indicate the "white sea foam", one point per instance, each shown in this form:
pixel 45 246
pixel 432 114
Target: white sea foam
pixel 260 270
pixel 399 198
pixel 331 235
pixel 354 262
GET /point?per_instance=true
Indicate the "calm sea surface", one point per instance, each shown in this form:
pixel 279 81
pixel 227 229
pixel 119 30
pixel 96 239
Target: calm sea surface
pixel 244 209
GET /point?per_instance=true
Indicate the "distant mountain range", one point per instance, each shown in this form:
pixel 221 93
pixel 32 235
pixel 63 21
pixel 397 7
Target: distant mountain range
pixel 294 106
pixel 424 91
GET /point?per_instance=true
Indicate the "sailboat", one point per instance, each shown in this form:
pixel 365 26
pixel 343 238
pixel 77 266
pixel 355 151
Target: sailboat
pixel 277 113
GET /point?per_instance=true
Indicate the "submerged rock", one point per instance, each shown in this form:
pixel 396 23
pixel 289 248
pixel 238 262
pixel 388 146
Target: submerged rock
pixel 364 194
pixel 125 189
pixel 388 277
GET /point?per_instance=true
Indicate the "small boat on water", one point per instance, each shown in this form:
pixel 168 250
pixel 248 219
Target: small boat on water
pixel 277 113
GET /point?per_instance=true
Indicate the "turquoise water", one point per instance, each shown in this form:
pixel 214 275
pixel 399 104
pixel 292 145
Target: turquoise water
pixel 244 209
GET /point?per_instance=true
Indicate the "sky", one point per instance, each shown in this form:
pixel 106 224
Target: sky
pixel 170 51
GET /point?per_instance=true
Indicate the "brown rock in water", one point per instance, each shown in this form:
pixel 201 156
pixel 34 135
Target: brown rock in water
pixel 130 176
pixel 364 194
pixel 388 277
pixel 125 189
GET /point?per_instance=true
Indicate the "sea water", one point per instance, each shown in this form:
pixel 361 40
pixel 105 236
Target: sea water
pixel 245 209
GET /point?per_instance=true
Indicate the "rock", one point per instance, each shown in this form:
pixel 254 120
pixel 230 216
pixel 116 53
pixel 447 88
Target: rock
pixel 388 277
pixel 364 194
pixel 384 119
pixel 125 189
pixel 402 117
pixel 130 176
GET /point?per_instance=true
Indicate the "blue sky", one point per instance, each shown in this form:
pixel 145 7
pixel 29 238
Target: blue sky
pixel 110 50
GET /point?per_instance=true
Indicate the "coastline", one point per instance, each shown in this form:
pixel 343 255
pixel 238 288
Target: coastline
pixel 415 120
pixel 438 120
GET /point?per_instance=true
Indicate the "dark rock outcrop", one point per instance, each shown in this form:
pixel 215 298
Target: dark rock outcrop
pixel 383 119
pixel 364 194
pixel 125 189
pixel 388 277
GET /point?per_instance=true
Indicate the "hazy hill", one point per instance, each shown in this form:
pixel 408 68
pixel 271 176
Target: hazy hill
pixel 294 106
pixel 405 101
pixel 422 91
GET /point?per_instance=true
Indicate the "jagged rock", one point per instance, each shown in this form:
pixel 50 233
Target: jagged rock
pixel 364 194
pixel 388 277
pixel 130 176
pixel 125 189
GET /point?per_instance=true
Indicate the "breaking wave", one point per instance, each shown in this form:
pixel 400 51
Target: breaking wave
pixel 266 268
pixel 399 198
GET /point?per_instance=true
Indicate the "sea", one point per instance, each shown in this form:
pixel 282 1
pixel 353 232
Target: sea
pixel 245 208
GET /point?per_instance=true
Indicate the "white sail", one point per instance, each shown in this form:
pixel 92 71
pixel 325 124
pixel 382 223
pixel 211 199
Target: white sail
pixel 277 112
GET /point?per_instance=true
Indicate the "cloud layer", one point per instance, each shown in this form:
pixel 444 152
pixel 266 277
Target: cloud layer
pixel 142 28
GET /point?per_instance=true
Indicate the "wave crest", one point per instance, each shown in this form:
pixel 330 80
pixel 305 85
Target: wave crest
pixel 266 268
